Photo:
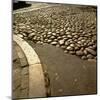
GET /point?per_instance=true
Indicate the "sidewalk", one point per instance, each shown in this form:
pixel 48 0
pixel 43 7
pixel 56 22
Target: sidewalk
pixel 69 75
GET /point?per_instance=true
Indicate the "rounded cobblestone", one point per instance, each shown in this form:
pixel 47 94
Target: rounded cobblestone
pixel 72 29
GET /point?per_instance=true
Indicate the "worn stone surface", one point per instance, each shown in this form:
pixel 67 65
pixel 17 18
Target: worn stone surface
pixel 25 82
pixel 72 28
pixel 20 74
pixel 79 53
pixel 69 75
pixel 91 51
pixel 69 48
pixel 23 62
pixel 35 80
pixel 53 43
pixel 36 84
pixel 61 42
pixel 64 27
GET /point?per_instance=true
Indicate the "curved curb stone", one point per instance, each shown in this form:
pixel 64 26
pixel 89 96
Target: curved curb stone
pixel 36 78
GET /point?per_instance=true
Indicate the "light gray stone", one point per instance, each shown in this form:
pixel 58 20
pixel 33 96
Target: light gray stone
pixel 53 43
pixel 61 42
pixel 49 33
pixel 52 37
pixel 91 51
pixel 54 34
pixel 76 48
pixel 31 35
pixel 59 38
pixel 67 33
pixel 72 52
pixel 72 45
pixel 80 38
pixel 67 43
pixel 63 47
pixel 89 56
pixel 83 57
pixel 69 36
pixel 49 41
pixel 79 42
pixel 69 48
pixel 85 52
pixel 20 35
pixel 79 53
pixel 74 34
pixel 66 51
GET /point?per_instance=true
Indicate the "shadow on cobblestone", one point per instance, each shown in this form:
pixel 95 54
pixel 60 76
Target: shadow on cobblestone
pixel 20 4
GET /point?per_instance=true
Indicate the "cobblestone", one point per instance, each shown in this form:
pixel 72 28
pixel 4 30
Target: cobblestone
pixel 69 23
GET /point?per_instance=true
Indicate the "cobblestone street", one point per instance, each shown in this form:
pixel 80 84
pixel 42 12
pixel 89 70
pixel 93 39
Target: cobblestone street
pixel 64 38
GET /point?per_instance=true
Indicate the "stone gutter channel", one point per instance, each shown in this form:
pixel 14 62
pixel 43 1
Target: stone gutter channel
pixel 38 80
